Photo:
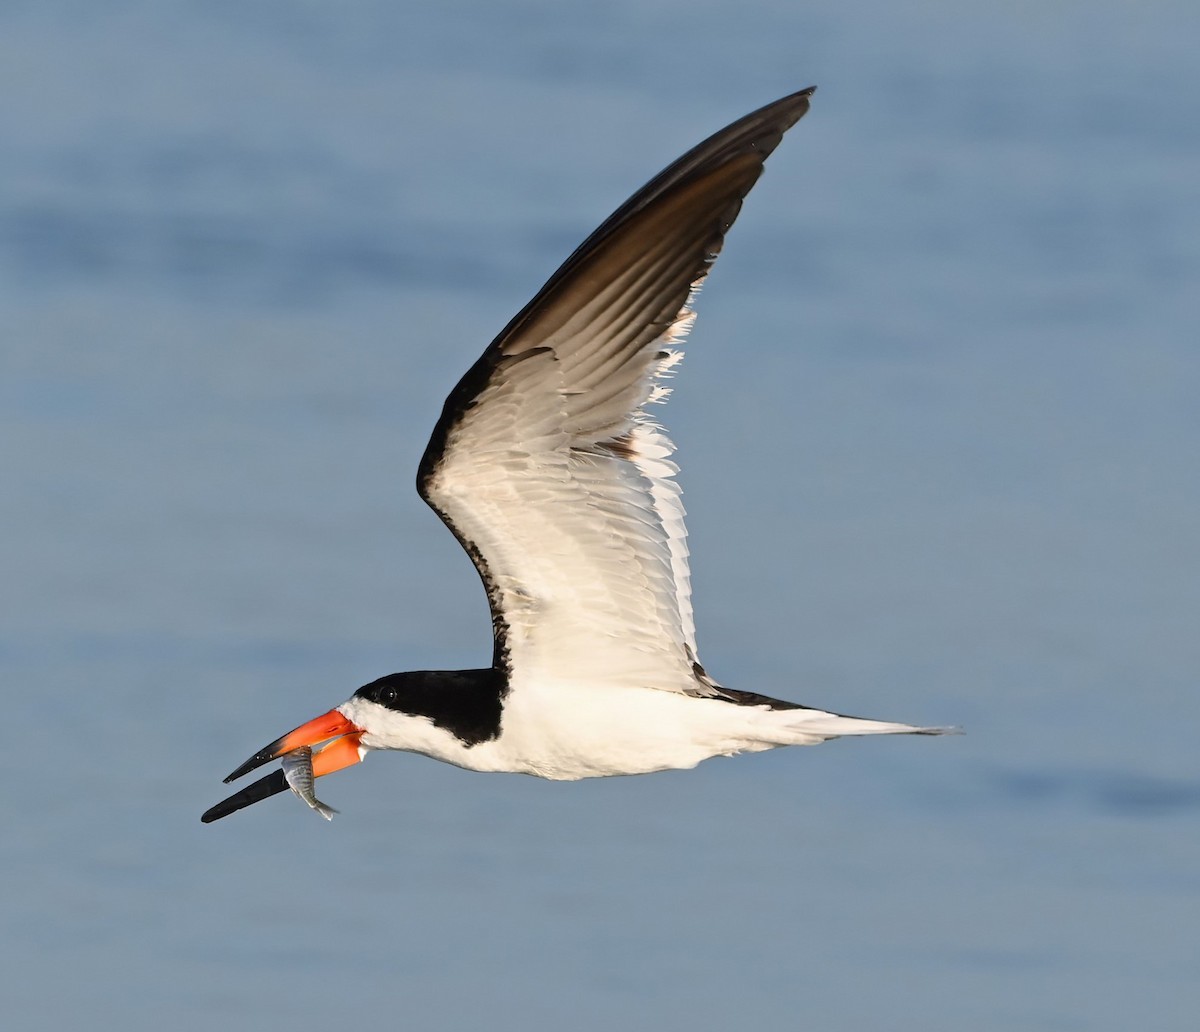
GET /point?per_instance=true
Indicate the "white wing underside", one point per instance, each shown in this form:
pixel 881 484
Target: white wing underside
pixel 583 534
pixel 546 463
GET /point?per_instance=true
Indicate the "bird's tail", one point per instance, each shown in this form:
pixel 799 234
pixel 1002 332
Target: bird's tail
pixel 810 726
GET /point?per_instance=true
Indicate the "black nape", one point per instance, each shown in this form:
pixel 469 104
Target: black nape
pixel 467 703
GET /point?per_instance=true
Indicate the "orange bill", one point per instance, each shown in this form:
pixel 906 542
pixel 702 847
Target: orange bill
pixel 320 729
pixel 342 750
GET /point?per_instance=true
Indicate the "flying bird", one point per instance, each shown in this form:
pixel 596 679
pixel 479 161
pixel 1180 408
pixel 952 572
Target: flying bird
pixel 549 467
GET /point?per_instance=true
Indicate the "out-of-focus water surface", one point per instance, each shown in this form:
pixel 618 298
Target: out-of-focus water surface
pixel 939 429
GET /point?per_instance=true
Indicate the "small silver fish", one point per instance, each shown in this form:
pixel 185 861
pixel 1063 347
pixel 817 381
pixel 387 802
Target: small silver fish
pixel 298 773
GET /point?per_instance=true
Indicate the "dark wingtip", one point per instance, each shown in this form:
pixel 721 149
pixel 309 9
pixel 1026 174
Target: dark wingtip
pixel 792 98
pixel 263 788
pixel 777 118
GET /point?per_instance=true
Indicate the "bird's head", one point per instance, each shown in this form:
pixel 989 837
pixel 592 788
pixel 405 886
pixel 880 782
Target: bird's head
pixel 440 713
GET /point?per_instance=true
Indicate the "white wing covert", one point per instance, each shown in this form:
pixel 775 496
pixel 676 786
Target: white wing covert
pixel 547 466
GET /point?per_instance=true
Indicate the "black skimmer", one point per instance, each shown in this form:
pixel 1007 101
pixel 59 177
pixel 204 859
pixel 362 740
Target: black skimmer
pixel 550 469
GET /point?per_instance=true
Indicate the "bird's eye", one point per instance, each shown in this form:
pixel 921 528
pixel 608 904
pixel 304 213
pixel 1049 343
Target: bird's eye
pixel 389 695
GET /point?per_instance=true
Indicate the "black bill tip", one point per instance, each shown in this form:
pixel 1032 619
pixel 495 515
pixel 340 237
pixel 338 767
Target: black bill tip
pixel 263 788
pixel 266 755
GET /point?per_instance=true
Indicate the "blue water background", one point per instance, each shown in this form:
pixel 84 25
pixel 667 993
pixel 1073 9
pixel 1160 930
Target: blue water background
pixel 940 437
